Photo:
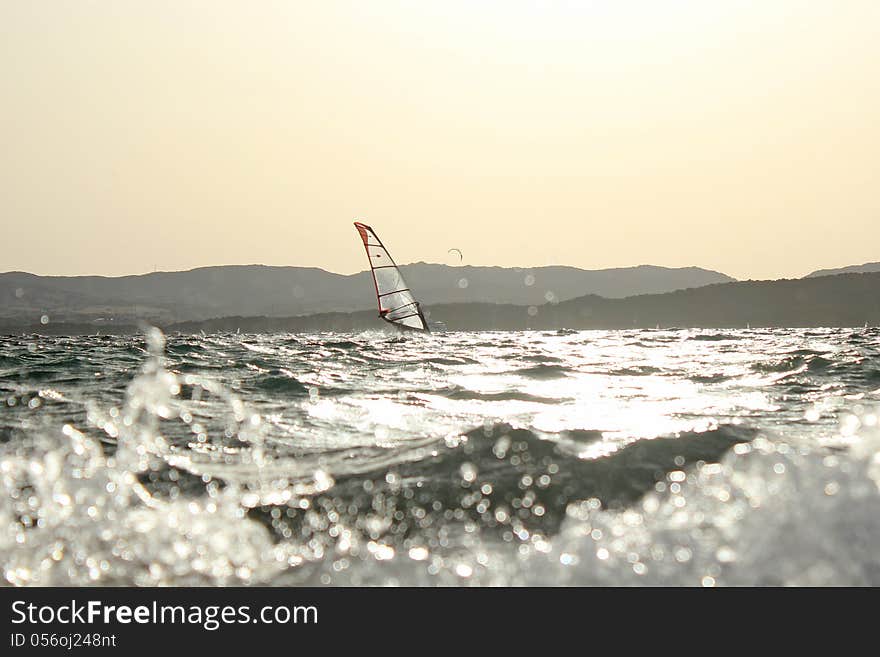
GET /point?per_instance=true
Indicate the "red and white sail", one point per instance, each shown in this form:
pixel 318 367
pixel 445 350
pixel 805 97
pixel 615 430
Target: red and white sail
pixel 397 304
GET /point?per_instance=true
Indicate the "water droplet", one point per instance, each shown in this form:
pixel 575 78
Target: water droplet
pixel 568 559
pixel 418 553
pixel 463 570
pixel 725 554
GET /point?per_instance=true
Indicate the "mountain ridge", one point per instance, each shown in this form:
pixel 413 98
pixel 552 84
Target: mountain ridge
pixel 866 268
pixel 250 290
pixel 847 300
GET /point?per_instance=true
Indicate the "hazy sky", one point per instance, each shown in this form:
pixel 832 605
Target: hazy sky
pixel 738 136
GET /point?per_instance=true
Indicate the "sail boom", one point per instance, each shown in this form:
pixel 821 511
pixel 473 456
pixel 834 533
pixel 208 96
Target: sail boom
pixel 385 294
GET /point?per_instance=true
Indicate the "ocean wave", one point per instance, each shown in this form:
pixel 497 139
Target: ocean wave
pixel 530 477
pixel 544 371
pixel 278 382
pixel 389 474
pixel 808 362
pixel 343 344
pixel 711 378
pixel 541 358
pixel 459 360
pixel 507 395
pixel 766 516
pixel 635 370
pixel 714 337
pixel 184 349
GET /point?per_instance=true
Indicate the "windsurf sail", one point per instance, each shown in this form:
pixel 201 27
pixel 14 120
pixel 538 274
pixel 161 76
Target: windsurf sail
pixel 397 305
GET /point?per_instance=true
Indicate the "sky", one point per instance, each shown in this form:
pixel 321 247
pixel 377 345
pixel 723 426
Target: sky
pixel 171 134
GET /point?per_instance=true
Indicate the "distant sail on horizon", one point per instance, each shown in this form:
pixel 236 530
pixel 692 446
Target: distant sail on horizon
pixel 397 305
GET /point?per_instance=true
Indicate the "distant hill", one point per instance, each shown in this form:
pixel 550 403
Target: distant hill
pixel 256 290
pixel 867 268
pixel 849 300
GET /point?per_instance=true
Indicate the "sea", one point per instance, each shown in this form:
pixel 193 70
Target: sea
pixel 667 457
